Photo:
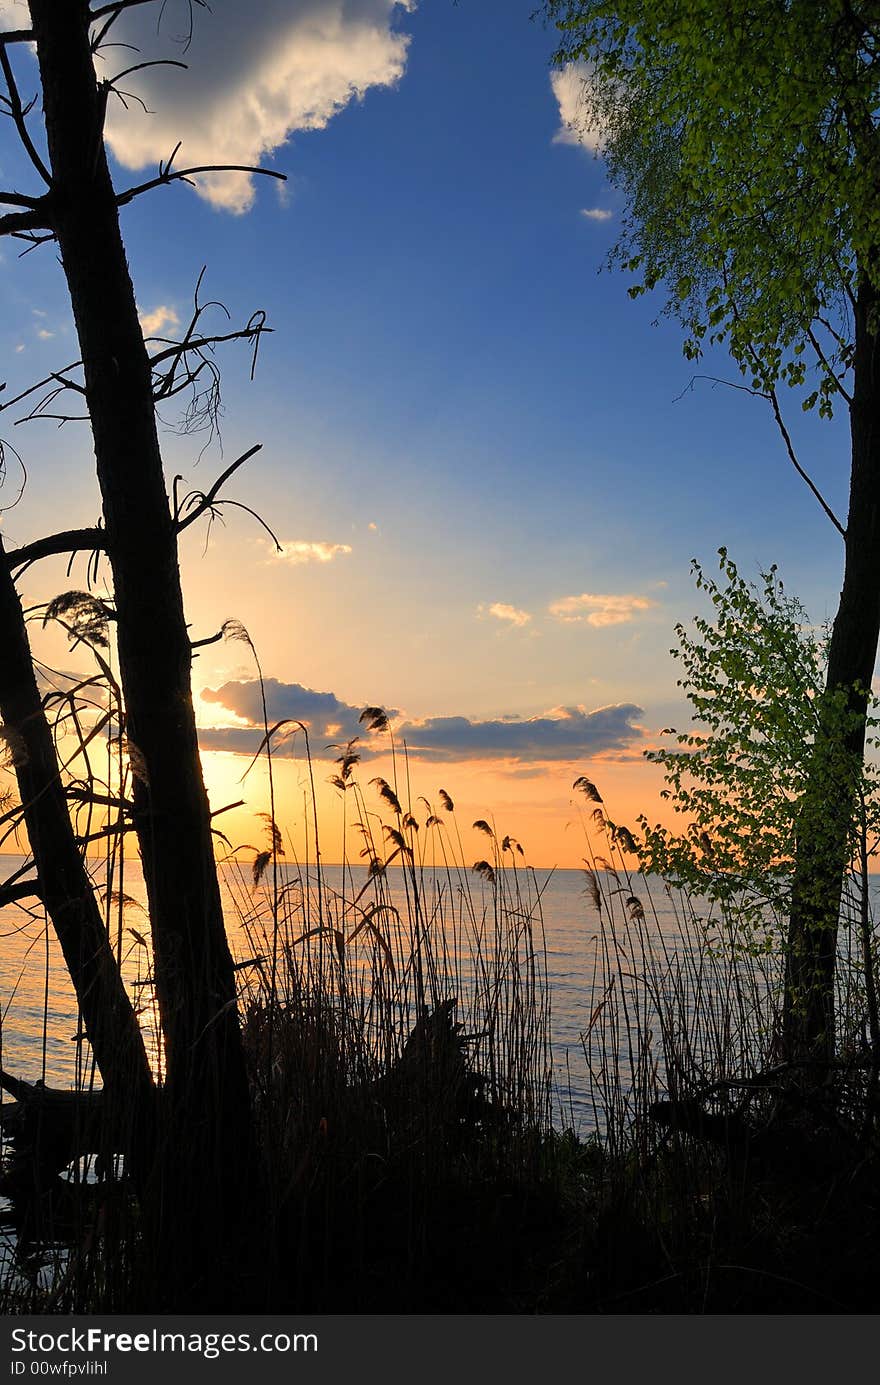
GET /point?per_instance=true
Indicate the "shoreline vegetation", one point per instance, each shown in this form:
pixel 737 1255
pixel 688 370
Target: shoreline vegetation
pixel 397 1038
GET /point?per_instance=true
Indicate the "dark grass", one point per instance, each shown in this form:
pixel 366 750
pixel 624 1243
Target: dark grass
pixel 397 1034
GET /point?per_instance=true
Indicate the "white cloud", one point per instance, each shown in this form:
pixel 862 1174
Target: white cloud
pixel 502 611
pixel 297 551
pixel 596 213
pixel 594 609
pixel 570 87
pixel 154 322
pixel 44 334
pixel 257 75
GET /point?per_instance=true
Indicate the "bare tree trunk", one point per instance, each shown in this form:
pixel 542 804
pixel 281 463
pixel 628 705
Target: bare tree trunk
pixel 64 885
pixel 830 803
pixel 206 1101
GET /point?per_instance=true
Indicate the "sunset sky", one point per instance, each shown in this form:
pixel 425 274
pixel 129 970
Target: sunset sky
pixel 481 458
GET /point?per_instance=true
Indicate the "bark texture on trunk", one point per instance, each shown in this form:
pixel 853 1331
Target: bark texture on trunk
pixel 825 841
pixel 206 1099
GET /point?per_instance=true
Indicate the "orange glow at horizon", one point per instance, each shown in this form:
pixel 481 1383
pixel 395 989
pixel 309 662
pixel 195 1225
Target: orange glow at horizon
pixel 535 804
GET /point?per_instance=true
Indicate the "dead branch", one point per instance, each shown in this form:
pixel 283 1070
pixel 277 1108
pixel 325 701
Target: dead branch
pixel 22 224
pixel 70 541
pixel 101 800
pixel 186 175
pixel 209 639
pixel 772 399
pixel 18 199
pixel 60 377
pixel 19 113
pixel 204 501
pixel 22 889
pixel 139 67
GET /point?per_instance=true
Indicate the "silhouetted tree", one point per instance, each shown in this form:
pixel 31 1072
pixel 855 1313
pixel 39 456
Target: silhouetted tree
pixel 745 140
pixel 203 1175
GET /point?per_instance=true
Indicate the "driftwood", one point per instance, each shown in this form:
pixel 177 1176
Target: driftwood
pixel 47 1130
pixel 807 1129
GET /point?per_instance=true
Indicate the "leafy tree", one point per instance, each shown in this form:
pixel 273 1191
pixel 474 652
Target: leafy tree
pixel 744 138
pixel 752 671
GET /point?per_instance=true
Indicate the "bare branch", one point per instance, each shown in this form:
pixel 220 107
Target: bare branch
pixel 23 223
pixel 237 504
pixel 70 541
pixel 770 394
pixel 16 36
pixel 33 240
pixel 205 501
pixel 772 399
pixel 789 447
pixel 209 639
pixel 17 112
pixel 201 343
pixel 717 380
pixel 60 377
pixel 139 67
pixel 18 199
pixel 116 8
pixel 23 889
pixel 114 830
pixel 187 363
pixel 113 11
pixel 187 174
pixel 102 800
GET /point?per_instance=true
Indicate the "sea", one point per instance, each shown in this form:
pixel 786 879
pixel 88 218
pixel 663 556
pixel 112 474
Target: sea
pixel 616 984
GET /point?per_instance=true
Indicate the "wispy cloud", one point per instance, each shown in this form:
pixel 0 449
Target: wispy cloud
pixel 571 85
pixel 297 551
pixel 596 213
pixel 44 334
pixel 156 321
pixel 510 615
pixel 593 608
pixel 254 79
pixel 564 733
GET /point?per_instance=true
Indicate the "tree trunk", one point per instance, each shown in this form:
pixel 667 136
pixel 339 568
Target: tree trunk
pixel 208 1154
pixel 825 828
pixel 65 888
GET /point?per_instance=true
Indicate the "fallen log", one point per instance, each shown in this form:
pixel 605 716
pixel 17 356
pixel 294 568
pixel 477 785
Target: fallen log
pixel 47 1129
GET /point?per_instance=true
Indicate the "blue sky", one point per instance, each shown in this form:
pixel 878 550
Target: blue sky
pixel 453 391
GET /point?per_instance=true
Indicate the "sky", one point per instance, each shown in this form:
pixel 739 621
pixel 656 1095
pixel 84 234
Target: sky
pixel 487 467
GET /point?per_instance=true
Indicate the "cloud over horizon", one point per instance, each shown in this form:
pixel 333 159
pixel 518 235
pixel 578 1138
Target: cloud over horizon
pixel 593 608
pixel 255 78
pixel 564 733
pixel 296 551
pixel 501 610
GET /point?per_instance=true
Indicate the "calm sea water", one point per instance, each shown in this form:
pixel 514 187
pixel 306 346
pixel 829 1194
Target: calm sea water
pixel 38 1036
